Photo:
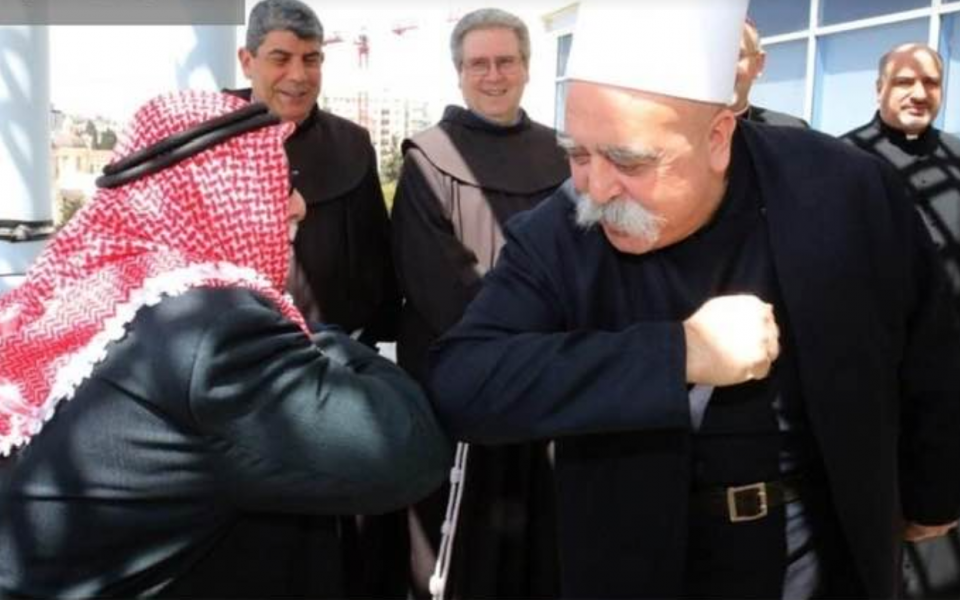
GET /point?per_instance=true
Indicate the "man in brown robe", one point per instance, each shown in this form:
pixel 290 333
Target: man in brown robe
pixel 343 274
pixel 461 180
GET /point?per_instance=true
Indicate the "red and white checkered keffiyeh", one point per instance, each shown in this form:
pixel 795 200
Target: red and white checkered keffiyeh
pixel 216 219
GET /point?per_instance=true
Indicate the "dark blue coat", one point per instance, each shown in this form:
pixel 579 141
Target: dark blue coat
pixel 563 342
pixel 199 458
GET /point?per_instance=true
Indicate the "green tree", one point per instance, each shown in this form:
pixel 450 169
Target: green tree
pixel 392 161
pixel 389 191
pixel 108 139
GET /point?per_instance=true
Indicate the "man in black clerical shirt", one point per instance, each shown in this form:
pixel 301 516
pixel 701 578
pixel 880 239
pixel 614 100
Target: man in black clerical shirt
pixel 909 95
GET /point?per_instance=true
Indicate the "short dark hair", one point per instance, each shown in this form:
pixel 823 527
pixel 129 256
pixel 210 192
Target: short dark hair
pixel 488 18
pixel 282 15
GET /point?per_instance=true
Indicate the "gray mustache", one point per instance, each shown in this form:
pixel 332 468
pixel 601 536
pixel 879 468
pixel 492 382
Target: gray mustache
pixel 623 214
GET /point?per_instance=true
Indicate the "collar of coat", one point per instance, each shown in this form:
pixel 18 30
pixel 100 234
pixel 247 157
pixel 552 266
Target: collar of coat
pixel 332 154
pixel 925 143
pixel 517 159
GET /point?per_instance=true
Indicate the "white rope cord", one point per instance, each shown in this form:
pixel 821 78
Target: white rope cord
pixel 448 531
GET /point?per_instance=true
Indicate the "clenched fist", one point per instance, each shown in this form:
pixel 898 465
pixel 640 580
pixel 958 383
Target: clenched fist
pixel 730 340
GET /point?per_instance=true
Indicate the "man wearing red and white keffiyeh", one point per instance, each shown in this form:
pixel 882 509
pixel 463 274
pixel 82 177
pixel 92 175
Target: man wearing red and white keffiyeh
pixel 219 219
pixel 196 397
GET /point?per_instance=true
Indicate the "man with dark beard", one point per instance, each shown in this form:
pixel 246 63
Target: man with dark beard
pixel 745 352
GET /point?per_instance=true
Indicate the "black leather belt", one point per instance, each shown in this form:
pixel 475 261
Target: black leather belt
pixel 740 503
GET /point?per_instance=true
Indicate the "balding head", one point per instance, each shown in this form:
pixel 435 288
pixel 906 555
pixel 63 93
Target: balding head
pixel 749 66
pixel 909 87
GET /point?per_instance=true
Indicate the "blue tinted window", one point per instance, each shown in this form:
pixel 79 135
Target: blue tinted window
pixel 950 50
pixel 774 17
pixel 841 11
pixel 563 53
pixel 560 105
pixel 846 94
pixel 560 89
pixel 781 87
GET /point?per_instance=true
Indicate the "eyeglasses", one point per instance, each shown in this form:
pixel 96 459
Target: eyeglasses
pixel 506 65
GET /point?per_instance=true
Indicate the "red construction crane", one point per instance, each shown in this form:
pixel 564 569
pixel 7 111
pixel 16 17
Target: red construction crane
pixel 363 50
pixel 335 38
pixel 402 28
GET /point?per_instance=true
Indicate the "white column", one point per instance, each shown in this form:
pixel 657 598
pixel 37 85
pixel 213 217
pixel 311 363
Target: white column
pixel 24 142
pixel 25 123
pixel 209 59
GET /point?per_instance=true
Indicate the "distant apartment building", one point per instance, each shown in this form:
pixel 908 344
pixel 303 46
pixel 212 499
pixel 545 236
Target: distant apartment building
pixel 80 148
pixel 388 118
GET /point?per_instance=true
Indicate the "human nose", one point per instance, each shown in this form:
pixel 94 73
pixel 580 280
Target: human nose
pixel 493 71
pixel 603 184
pixel 919 91
pixel 297 71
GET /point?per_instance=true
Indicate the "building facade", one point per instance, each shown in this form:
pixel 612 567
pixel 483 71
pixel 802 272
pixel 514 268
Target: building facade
pixel 389 118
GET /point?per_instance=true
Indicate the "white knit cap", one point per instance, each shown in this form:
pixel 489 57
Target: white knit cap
pixel 682 48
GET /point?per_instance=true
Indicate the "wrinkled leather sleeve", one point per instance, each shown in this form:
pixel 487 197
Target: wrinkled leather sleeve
pixel 325 428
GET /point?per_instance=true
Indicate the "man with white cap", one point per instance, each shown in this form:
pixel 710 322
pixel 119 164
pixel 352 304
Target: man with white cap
pixel 738 336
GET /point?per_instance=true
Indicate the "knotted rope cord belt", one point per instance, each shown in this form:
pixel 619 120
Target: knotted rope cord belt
pixel 458 474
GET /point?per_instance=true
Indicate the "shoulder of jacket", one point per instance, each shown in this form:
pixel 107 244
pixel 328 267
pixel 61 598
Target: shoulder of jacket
pixel 342 128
